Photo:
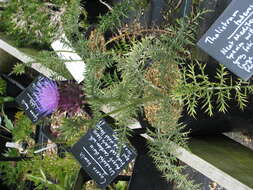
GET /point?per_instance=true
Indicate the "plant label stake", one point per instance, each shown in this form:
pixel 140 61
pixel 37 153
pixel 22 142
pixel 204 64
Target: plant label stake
pixel 39 99
pixel 230 39
pixel 73 61
pixel 51 146
pixel 99 154
pixel 17 146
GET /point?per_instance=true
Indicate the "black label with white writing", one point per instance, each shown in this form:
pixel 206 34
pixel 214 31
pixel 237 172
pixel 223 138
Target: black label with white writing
pixel 99 154
pixel 28 102
pixel 230 39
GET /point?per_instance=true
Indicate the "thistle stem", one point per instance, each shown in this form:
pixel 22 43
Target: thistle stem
pixel 134 104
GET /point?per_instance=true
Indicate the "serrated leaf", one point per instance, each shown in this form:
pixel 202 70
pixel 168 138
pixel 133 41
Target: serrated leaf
pixel 2 86
pixel 43 174
pixel 7 121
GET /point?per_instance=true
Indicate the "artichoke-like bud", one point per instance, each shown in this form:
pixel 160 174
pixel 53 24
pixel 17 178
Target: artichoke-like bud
pixel 71 98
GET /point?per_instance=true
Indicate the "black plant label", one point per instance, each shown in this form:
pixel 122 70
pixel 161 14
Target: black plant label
pixel 230 39
pixel 99 154
pixel 28 102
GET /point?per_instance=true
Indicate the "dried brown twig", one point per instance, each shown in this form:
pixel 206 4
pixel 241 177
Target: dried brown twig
pixel 136 33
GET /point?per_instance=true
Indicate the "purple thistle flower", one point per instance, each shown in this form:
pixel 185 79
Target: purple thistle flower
pixel 47 96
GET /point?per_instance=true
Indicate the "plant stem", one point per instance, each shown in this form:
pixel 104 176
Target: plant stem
pixel 228 87
pixel 6 99
pixel 138 32
pixel 134 104
pixel 106 4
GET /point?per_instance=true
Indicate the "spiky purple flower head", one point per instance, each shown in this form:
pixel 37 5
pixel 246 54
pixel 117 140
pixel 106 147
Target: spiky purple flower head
pixel 47 96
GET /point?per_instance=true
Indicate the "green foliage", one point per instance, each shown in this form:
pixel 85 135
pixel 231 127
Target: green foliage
pixel 18 69
pixel 2 86
pixel 23 127
pixel 72 129
pixel 71 21
pixel 51 61
pixel 166 51
pixel 121 185
pixel 129 93
pixel 8 124
pixel 120 11
pixel 211 95
pixel 51 172
pixel 48 171
pixel 3 98
pixel 13 172
pixel 149 67
pixel 32 21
